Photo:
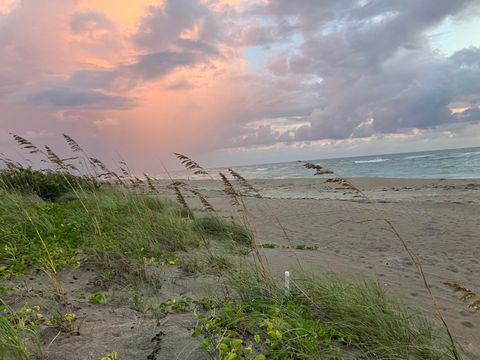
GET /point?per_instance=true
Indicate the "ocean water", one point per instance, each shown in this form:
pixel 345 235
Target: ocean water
pixel 449 164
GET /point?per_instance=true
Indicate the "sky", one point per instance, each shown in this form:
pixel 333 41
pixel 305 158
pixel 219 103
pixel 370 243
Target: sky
pixel 232 82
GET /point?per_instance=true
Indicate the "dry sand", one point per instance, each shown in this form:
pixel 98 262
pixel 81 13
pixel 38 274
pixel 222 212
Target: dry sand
pixel 439 219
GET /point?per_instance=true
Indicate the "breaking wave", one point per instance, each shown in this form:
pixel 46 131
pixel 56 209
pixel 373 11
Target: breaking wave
pixel 377 160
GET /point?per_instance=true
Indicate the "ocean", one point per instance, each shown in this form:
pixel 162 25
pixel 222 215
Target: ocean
pixel 449 164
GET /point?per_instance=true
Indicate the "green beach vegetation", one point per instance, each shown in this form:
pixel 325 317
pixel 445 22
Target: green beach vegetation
pixel 55 219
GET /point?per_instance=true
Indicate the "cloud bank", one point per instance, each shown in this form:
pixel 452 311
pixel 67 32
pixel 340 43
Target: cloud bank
pixel 225 77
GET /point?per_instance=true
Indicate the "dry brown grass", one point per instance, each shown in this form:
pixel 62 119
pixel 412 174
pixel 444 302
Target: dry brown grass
pixel 151 184
pixel 468 295
pixel 230 190
pixel 191 164
pixel 27 145
pixel 206 204
pixel 180 198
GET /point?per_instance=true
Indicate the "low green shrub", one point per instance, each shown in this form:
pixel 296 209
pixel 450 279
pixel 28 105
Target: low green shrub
pixel 269 246
pixel 305 247
pixel 172 306
pixel 261 329
pixel 48 185
pixel 97 298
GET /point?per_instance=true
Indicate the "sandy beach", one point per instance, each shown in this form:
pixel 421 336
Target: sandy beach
pixel 347 235
pixel 324 229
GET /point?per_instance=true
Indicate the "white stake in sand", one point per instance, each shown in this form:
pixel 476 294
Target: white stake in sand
pixel 287 283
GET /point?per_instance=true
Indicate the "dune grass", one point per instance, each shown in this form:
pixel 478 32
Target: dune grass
pixel 216 226
pixel 12 345
pixel 109 223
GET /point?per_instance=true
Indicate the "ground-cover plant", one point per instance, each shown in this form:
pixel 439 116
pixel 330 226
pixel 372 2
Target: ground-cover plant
pixel 296 247
pixel 306 247
pixel 97 298
pixel 171 306
pixel 269 246
pixel 261 329
pixel 17 330
pixel 319 318
pixel 112 355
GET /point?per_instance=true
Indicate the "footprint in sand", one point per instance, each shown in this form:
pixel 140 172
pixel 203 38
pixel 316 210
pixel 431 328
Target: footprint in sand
pixel 452 268
pixel 467 324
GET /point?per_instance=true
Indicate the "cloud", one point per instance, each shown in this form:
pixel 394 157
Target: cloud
pixel 330 71
pixel 31 42
pixel 7 6
pixel 470 114
pixel 163 25
pixel 157 65
pixel 95 79
pixel 181 33
pixel 90 21
pixel 258 35
pixel 180 85
pixel 376 70
pixel 107 122
pixel 66 97
pixel 197 45
pixel 118 79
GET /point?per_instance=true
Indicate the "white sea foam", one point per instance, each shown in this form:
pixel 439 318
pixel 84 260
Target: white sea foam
pixel 377 160
pixel 471 153
pixel 416 157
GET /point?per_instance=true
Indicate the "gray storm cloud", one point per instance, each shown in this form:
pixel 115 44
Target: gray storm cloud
pixel 377 70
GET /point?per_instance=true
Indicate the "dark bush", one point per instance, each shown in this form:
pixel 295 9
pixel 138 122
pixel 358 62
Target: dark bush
pixel 47 185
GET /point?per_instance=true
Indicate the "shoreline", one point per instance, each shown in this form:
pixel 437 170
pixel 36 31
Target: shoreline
pixel 362 179
pixel 377 189
pixel 214 173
